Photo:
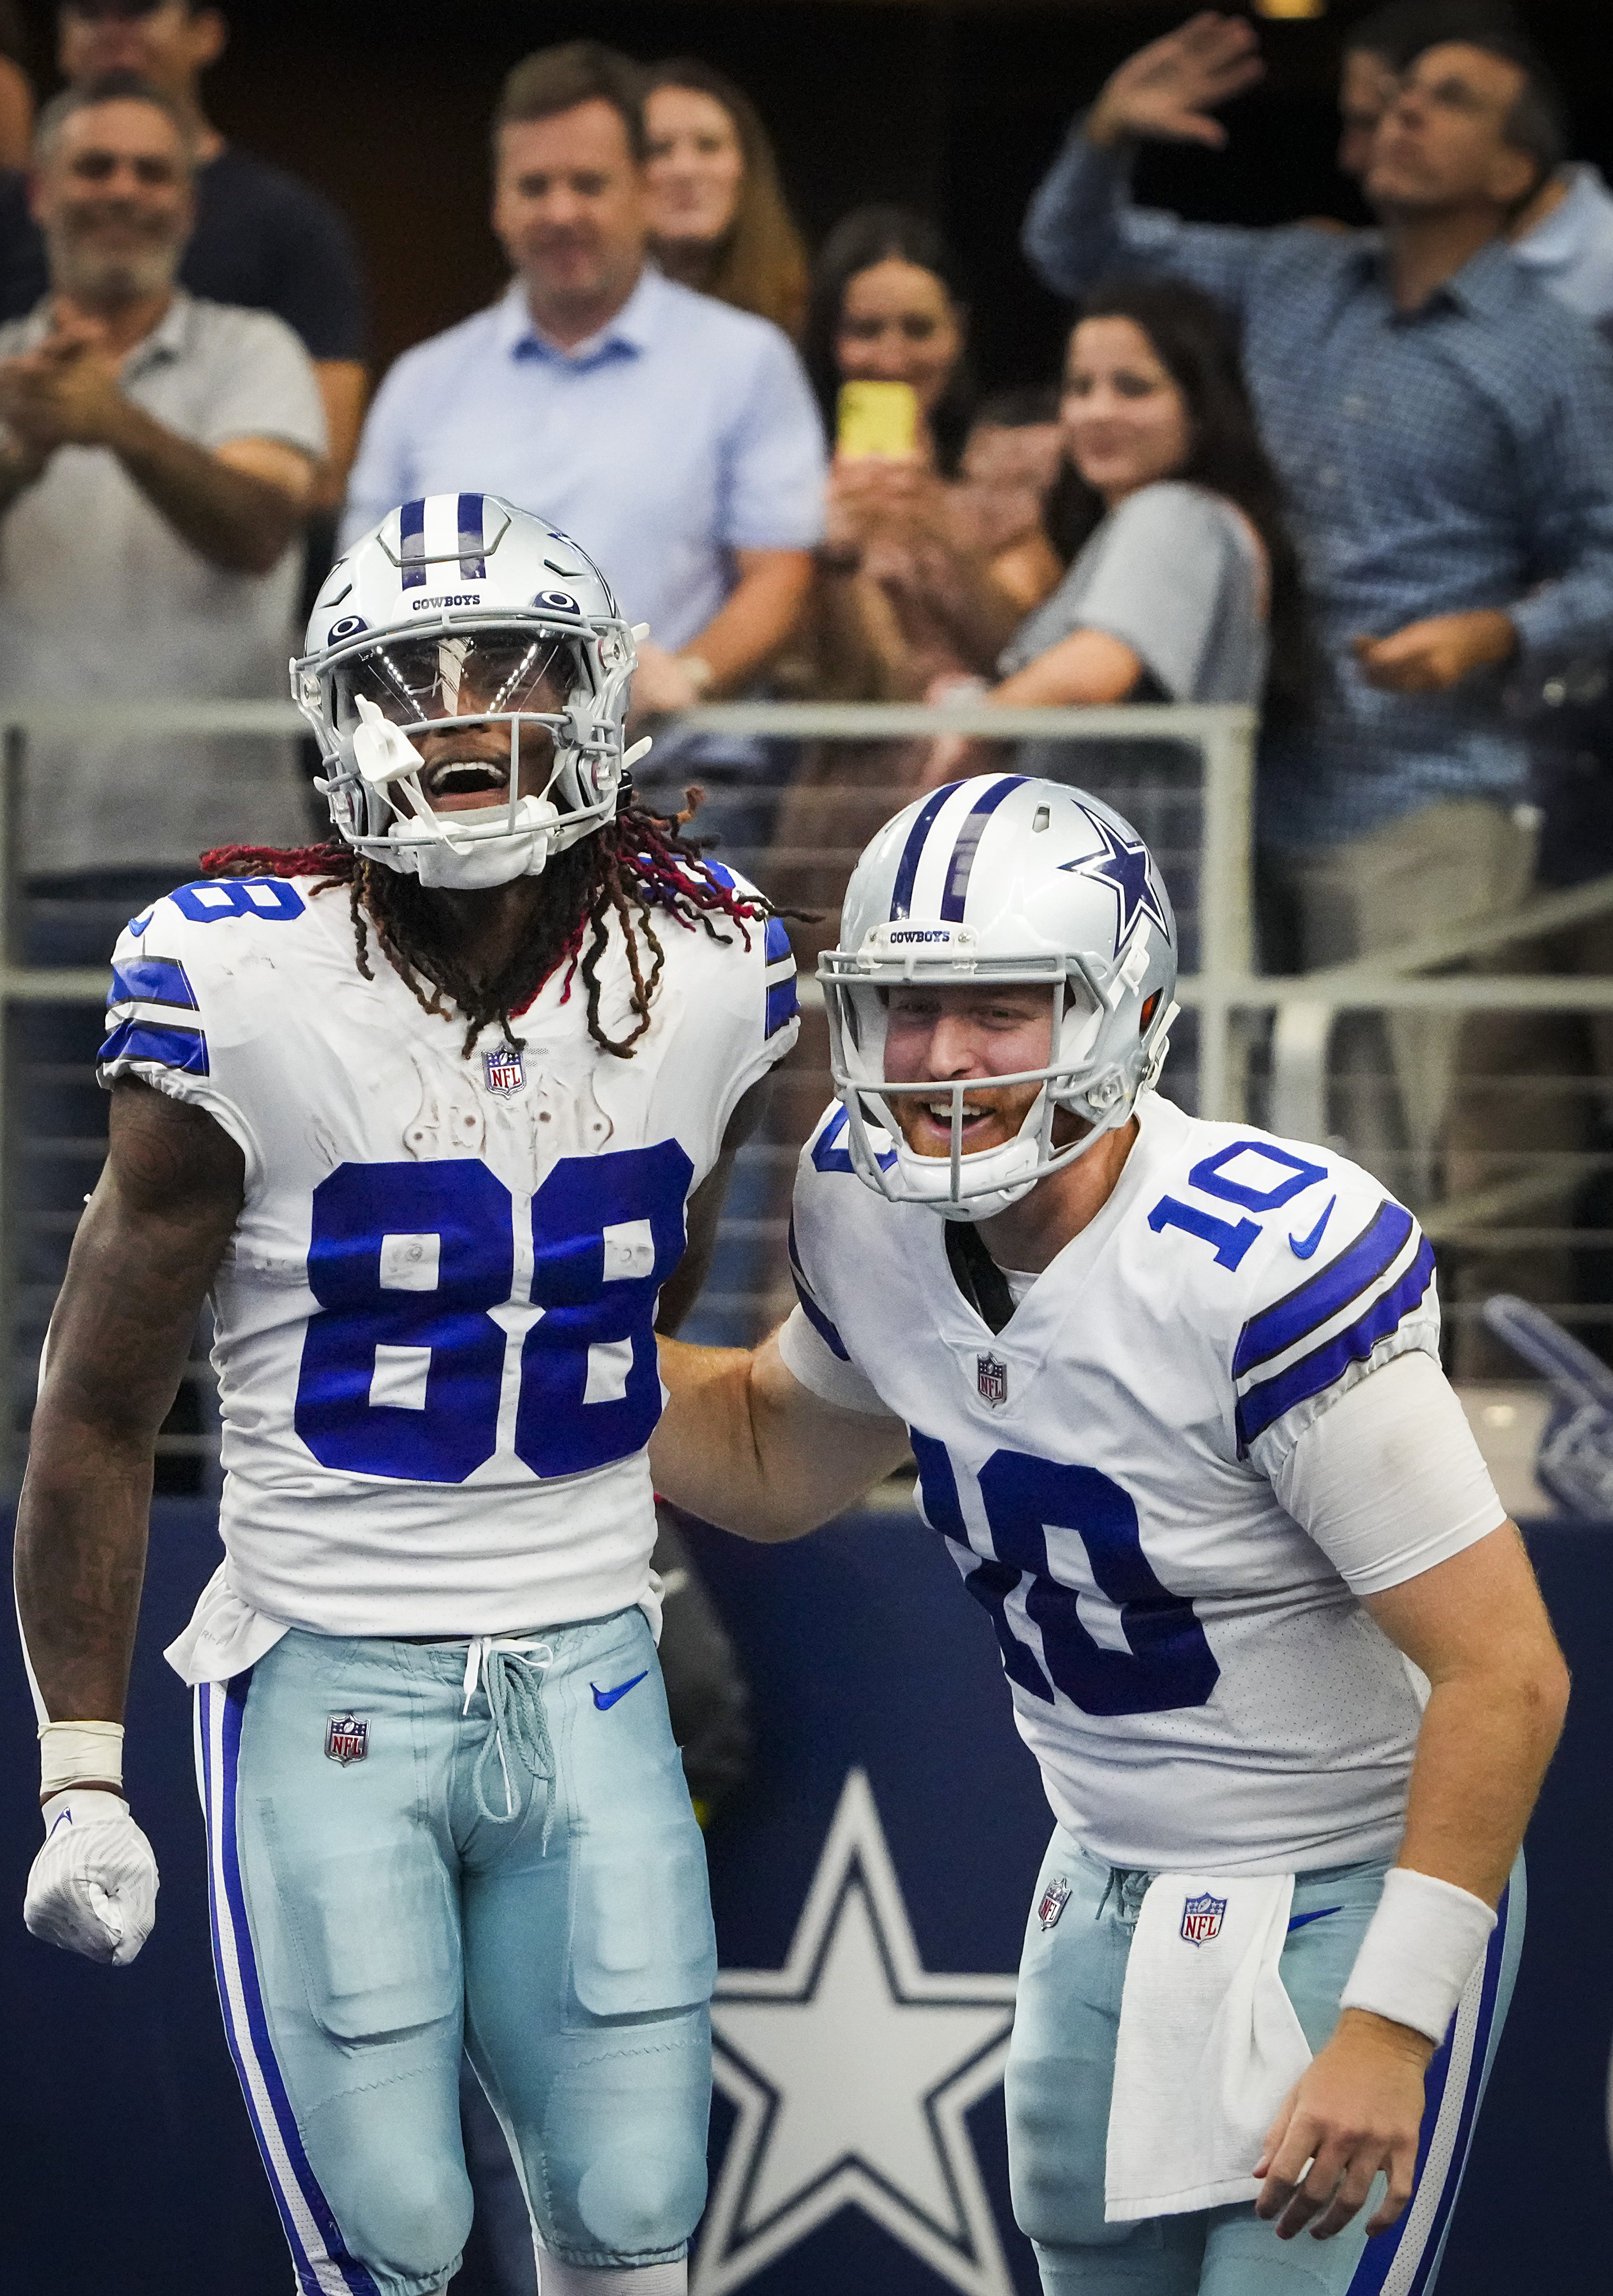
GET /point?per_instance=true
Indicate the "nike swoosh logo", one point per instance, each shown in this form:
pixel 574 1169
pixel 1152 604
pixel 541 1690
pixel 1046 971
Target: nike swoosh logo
pixel 1303 1246
pixel 606 1698
pixel 1300 1920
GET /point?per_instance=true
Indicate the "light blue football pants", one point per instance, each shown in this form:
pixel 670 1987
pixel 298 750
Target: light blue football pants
pixel 1061 2071
pixel 370 1913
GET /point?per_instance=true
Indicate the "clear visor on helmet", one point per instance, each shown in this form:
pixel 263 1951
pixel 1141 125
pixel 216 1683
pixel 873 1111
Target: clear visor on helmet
pixel 469 675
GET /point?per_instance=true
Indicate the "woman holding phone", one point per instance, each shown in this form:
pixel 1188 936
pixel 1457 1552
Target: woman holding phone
pixel 905 590
pixel 920 578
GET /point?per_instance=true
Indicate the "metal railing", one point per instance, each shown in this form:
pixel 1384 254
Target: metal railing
pixel 1228 999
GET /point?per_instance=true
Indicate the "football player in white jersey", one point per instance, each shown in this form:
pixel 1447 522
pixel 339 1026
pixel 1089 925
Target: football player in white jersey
pixel 1174 1390
pixel 435 1114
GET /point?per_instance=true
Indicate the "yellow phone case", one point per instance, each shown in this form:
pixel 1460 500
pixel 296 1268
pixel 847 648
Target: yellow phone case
pixel 878 418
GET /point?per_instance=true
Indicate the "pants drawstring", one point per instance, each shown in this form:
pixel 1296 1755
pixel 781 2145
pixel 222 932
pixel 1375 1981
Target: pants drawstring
pixel 511 1674
pixel 1128 1886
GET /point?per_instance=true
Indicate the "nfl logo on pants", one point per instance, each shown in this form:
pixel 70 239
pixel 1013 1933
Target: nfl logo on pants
pixel 348 1739
pixel 1202 1919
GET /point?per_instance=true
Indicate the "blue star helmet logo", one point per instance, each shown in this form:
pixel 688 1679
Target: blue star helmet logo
pixel 1127 871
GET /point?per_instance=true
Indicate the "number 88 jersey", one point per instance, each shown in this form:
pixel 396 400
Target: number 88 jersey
pixel 1201 1687
pixel 433 1322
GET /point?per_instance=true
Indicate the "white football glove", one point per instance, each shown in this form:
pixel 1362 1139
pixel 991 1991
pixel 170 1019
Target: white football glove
pixel 92 1887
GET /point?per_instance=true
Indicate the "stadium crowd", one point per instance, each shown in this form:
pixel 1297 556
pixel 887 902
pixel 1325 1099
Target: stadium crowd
pixel 1362 480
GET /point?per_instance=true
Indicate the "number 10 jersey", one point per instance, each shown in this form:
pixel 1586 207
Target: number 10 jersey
pixel 433 1322
pixel 1202 1688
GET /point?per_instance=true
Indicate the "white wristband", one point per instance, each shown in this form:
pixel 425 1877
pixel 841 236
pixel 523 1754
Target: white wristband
pixel 70 1752
pixel 1422 1946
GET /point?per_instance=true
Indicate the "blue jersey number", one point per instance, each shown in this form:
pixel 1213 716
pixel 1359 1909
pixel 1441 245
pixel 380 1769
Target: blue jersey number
pixel 1231 1239
pixel 403 1365
pixel 212 898
pixel 1167 1664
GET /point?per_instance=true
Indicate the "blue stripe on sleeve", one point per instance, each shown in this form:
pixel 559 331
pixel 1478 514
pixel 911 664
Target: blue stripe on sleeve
pixel 1358 1264
pixel 1267 1402
pixel 782 1005
pixel 778 940
pixel 171 1048
pixel 152 980
pixel 810 1308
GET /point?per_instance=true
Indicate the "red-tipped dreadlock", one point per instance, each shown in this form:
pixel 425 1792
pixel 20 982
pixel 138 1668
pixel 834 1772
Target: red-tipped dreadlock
pixel 632 867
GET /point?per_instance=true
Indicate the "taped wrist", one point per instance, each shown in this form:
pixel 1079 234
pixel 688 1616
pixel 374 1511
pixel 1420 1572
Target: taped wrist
pixel 1422 1946
pixel 72 1751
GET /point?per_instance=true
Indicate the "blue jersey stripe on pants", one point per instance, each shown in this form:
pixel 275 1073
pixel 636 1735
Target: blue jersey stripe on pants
pixel 1404 2260
pixel 323 2267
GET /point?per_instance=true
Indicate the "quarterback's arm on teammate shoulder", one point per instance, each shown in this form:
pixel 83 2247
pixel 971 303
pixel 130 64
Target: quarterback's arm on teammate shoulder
pixel 743 1444
pixel 144 1257
pixel 1477 1628
pixel 684 1286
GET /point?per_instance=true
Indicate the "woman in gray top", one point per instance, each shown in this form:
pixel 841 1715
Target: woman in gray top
pixel 1182 585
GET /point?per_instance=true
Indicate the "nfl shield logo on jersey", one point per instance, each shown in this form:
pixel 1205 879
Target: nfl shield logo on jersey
pixel 991 1377
pixel 1054 1898
pixel 1202 1919
pixel 505 1071
pixel 348 1739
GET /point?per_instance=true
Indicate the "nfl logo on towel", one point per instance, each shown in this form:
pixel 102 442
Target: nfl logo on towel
pixel 348 1739
pixel 1054 1898
pixel 991 1377
pixel 1202 1919
pixel 505 1071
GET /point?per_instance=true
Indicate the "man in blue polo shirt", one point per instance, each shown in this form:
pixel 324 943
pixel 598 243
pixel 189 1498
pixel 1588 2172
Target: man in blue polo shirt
pixel 675 438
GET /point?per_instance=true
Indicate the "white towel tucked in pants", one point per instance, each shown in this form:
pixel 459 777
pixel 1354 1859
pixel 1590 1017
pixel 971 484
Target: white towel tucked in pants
pixel 1209 2046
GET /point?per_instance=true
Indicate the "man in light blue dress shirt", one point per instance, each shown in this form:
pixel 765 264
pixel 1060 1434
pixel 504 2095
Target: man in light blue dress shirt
pixel 675 437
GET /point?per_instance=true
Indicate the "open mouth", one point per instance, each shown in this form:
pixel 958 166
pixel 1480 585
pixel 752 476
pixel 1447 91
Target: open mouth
pixel 935 1117
pixel 454 784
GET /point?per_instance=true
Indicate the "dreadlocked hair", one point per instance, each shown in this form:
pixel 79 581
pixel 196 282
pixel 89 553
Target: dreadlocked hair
pixel 632 869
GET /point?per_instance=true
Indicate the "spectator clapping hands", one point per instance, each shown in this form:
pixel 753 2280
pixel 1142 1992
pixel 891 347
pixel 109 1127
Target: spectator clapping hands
pixel 66 392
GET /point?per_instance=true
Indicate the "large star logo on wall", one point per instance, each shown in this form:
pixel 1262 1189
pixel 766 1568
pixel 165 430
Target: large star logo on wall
pixel 1128 872
pixel 853 2068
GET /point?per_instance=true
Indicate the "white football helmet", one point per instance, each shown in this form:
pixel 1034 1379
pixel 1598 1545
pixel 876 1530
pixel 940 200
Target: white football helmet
pixel 463 610
pixel 1008 879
